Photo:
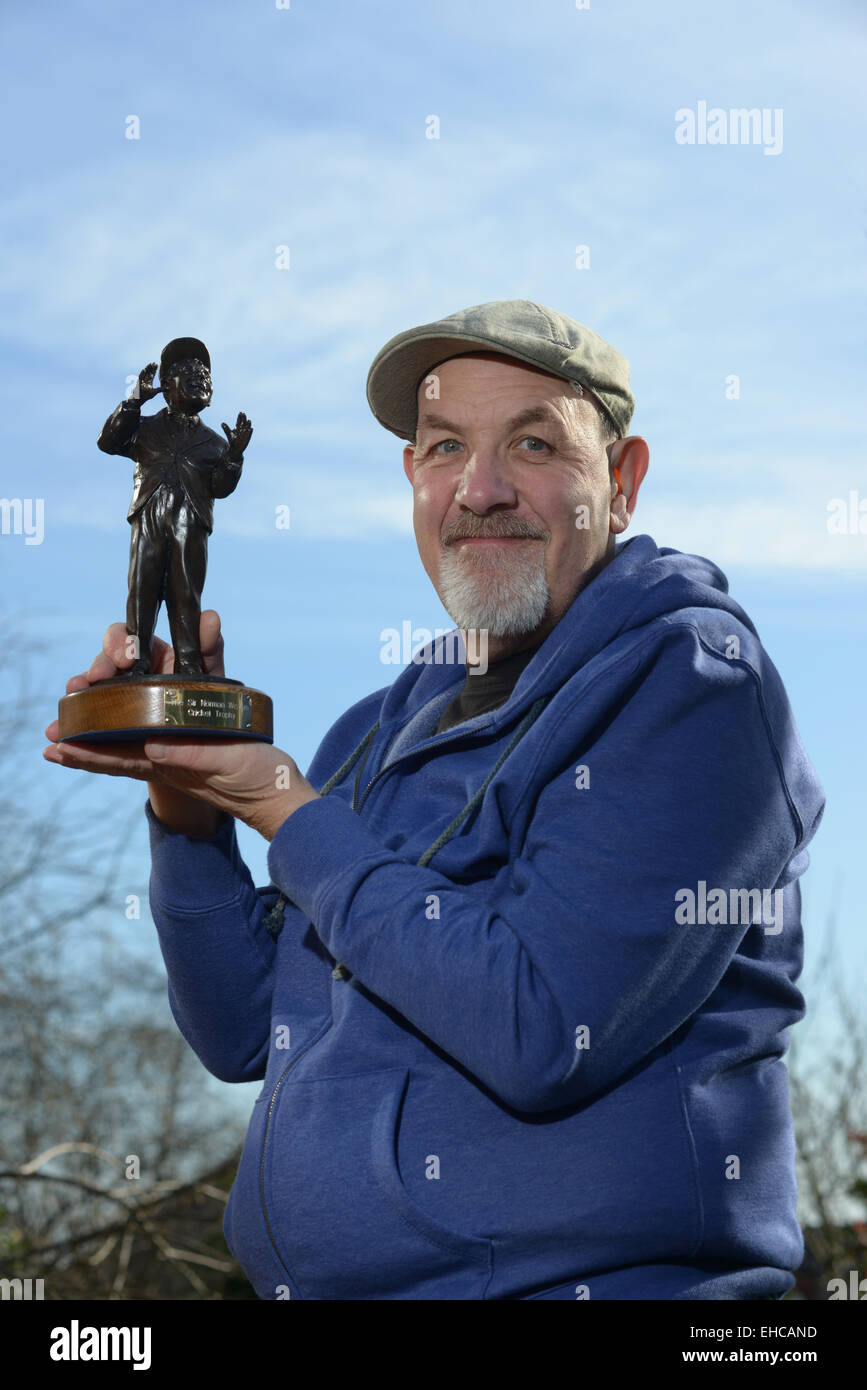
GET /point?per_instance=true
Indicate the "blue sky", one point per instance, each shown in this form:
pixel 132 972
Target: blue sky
pixel 306 127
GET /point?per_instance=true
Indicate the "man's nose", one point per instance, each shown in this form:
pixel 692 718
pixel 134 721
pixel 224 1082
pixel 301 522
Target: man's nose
pixel 485 480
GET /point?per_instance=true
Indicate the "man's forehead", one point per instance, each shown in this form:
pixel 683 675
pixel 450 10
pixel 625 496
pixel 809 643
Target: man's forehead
pixel 513 374
pixel 557 404
pixel 539 413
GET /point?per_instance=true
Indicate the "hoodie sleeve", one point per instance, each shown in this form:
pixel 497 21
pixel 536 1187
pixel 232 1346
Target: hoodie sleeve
pixel 563 972
pixel 218 953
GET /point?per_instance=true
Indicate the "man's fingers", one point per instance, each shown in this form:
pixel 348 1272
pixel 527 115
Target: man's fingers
pixel 213 660
pixel 162 656
pixel 210 630
pixel 114 644
pixel 147 759
pixel 199 756
pixel 187 763
pixel 120 649
pixel 211 641
pixel 115 759
pixel 100 669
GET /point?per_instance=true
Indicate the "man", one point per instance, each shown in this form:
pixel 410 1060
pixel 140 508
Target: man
pixel 519 989
pixel 181 466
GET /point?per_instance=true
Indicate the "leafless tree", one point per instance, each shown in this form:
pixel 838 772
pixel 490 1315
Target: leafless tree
pixel 828 1085
pixel 116 1147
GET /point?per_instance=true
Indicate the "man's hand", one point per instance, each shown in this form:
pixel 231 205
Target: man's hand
pixel 239 437
pixel 144 389
pixel 190 781
pixel 256 782
pixel 177 811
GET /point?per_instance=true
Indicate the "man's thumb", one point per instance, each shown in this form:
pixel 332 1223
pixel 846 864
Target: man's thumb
pixel 198 755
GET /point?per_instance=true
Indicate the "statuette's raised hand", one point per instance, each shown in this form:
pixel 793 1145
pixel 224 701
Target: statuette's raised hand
pixel 144 389
pixel 239 437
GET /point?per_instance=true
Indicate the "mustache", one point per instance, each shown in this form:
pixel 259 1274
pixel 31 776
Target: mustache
pixel 480 527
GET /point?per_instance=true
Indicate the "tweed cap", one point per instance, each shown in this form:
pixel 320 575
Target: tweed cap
pixel 520 328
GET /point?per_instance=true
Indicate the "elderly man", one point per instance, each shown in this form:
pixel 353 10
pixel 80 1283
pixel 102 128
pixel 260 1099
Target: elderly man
pixel 518 991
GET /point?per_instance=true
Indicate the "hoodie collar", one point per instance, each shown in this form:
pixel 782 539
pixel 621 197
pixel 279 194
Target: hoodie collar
pixel 641 582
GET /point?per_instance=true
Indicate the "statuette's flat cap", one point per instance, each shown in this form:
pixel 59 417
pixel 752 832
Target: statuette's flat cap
pixel 520 328
pixel 178 350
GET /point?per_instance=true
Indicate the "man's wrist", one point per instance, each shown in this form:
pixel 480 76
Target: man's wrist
pixel 270 815
pixel 184 815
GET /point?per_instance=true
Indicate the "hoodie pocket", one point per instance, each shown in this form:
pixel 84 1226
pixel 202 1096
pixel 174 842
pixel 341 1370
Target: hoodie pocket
pixel 339 1212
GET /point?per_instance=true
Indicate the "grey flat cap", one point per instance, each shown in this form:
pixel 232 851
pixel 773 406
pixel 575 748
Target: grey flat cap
pixel 530 332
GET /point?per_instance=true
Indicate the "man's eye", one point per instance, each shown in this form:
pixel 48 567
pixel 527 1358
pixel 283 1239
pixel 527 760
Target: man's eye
pixel 533 439
pixel 440 444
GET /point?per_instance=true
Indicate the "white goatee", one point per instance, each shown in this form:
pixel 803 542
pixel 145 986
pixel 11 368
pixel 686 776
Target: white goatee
pixel 499 590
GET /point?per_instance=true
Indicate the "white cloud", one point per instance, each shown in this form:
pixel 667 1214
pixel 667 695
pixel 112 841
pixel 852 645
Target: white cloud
pixel 758 534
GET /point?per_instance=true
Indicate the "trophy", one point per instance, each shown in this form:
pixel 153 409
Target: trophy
pixel 180 467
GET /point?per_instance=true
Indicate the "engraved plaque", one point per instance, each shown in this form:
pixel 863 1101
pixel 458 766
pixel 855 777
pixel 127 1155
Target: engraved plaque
pixel 211 709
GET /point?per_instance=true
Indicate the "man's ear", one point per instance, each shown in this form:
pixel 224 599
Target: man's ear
pixel 631 458
pixel 409 460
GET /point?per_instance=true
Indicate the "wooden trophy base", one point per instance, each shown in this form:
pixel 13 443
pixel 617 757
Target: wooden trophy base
pixel 131 708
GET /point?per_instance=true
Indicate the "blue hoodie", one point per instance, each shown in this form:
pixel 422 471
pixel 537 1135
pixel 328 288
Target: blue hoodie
pixel 519 992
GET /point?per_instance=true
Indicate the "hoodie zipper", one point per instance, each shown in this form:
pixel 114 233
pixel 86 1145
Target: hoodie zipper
pixel 271 1104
